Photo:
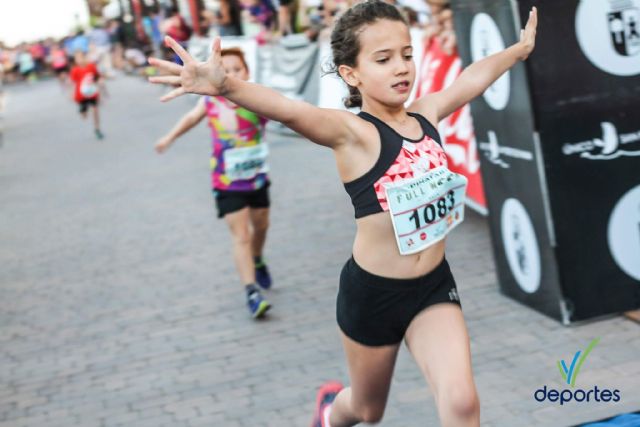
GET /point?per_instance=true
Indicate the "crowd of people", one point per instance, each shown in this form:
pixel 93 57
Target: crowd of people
pixel 50 57
pixel 117 44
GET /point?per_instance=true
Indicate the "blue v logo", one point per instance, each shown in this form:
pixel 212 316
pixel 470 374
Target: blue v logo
pixel 569 374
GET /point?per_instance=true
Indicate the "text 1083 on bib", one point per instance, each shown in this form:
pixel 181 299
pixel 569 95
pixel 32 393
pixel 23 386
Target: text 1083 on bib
pixel 424 209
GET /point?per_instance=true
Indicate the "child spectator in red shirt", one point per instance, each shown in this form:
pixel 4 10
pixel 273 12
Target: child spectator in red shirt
pixel 86 78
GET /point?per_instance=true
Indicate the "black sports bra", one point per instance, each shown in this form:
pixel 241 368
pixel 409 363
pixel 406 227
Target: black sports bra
pixel 399 159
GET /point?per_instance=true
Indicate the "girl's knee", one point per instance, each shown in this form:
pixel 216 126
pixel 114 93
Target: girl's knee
pixel 462 401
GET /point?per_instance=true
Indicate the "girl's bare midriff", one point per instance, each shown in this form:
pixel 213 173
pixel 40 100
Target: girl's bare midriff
pixel 376 251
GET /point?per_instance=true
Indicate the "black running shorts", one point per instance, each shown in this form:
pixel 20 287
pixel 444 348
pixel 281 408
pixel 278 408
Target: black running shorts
pixel 83 105
pixel 232 201
pixel 376 311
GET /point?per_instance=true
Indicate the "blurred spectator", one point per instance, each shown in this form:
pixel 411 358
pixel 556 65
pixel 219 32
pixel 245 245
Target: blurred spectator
pixel 78 43
pixel 257 17
pixel 151 25
pixel 135 60
pixel 285 14
pixel 226 21
pixel 9 63
pixel 333 9
pixel 38 54
pixel 26 65
pixel 310 18
pixel 176 27
pixel 2 97
pixel 2 65
pixel 117 39
pixel 100 49
pixel 441 25
pixel 59 62
pixel 417 12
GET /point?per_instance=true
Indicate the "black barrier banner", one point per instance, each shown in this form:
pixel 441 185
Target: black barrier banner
pixel 512 170
pixel 574 183
pixel 595 199
pixel 587 53
pixel 585 81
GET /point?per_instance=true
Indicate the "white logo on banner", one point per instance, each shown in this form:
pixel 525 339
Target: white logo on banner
pixel 610 146
pixel 487 40
pixel 608 33
pixel 493 151
pixel 623 233
pixel 521 245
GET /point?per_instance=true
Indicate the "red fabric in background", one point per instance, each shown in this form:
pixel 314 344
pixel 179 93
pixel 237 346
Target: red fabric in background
pixel 437 71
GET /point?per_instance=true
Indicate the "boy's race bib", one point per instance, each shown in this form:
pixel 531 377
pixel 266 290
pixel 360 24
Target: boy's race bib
pixel 424 209
pixel 88 87
pixel 246 162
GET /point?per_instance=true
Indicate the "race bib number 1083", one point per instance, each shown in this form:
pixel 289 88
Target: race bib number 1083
pixel 424 209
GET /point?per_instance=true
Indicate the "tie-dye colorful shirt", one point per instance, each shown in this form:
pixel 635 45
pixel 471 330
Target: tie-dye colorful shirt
pixel 238 158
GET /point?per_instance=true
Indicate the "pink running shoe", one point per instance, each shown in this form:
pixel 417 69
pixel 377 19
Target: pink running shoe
pixel 325 397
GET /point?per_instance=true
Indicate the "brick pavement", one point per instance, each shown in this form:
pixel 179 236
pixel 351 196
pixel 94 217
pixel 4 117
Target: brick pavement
pixel 119 304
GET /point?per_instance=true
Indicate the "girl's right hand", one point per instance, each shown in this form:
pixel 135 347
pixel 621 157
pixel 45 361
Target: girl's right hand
pixel 528 34
pixel 204 78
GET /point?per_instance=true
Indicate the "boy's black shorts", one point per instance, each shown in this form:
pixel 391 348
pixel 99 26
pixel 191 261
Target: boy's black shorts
pixel 232 201
pixel 84 104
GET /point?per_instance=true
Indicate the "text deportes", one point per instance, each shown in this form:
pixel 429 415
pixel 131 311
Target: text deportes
pixel 578 395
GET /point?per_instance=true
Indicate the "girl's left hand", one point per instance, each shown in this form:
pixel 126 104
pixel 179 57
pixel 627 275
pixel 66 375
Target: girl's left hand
pixel 204 78
pixel 528 35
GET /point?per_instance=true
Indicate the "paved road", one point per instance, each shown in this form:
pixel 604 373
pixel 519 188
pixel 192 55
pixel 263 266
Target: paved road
pixel 119 304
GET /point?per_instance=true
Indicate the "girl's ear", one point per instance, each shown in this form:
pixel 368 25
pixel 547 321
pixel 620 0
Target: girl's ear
pixel 349 75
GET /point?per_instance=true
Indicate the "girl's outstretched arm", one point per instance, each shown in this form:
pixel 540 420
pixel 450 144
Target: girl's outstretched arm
pixel 477 77
pixel 322 126
pixel 185 123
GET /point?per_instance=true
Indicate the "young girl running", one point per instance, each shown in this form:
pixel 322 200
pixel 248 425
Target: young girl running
pixel 239 176
pixel 397 285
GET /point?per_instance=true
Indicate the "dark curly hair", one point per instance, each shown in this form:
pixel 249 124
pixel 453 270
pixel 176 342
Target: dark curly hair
pixel 345 45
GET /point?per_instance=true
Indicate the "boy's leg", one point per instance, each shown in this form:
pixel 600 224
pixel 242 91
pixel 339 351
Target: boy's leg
pixel 82 108
pixel 260 225
pixel 96 117
pixel 96 120
pixel 259 204
pixel 238 223
pixel 234 209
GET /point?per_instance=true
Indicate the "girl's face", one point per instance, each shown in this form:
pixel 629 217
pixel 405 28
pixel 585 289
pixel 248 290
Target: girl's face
pixel 233 66
pixel 385 71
